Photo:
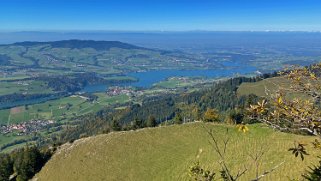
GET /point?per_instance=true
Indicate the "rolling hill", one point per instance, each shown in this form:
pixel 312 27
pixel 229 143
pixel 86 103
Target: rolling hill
pixel 165 153
pixel 79 44
pixel 101 57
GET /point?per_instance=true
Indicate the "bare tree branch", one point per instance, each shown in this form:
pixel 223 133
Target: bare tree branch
pixel 268 172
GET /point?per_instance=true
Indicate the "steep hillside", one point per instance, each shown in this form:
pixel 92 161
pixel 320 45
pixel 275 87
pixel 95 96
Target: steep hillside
pixel 165 153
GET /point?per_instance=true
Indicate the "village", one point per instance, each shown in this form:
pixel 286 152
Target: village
pixel 25 128
pixel 129 91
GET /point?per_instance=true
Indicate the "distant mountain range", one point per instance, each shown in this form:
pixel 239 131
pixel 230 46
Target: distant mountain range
pixel 78 44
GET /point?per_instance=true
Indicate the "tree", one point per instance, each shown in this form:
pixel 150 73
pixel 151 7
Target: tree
pixel 196 113
pixel 178 118
pixel 236 116
pixel 28 162
pixel 137 123
pixel 211 115
pixel 151 121
pixel 295 108
pixel 115 125
pixel 6 167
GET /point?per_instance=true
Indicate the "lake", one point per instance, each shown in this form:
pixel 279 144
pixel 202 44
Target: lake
pixel 148 78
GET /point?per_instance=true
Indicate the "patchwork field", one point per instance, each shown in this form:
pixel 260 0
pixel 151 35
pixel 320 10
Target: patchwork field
pixel 175 82
pixel 102 57
pixel 60 109
pixel 166 153
pixel 27 87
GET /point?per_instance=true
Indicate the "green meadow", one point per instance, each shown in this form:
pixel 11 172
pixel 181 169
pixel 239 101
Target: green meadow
pixel 61 109
pixel 28 87
pixel 166 153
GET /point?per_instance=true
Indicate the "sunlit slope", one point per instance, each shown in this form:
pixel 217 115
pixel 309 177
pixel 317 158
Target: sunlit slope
pixel 268 87
pixel 263 87
pixel 165 153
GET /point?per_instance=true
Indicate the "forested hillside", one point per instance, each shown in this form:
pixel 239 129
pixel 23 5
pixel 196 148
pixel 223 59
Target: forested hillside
pixel 221 96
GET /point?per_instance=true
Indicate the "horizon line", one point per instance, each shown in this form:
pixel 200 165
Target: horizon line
pixel 151 31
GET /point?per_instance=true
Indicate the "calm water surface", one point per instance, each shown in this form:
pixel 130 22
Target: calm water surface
pixel 147 79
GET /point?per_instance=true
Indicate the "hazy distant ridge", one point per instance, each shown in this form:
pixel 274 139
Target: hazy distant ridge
pixel 78 44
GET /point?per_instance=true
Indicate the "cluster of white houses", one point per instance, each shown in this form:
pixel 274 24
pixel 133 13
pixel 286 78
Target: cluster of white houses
pixel 25 127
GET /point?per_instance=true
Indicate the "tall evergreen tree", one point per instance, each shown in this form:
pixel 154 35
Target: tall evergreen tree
pixel 178 119
pixel 151 122
pixel 137 123
pixel 28 162
pixel 115 125
pixel 6 167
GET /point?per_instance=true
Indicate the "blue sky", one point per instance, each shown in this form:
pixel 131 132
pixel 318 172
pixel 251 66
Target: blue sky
pixel 167 15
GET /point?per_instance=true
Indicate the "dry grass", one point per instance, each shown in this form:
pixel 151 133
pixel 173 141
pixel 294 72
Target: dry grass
pixel 267 87
pixel 16 110
pixel 260 88
pixel 166 153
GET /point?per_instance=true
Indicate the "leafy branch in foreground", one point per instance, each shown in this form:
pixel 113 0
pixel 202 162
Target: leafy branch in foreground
pixel 314 172
pixel 295 108
pixel 198 173
pixel 299 149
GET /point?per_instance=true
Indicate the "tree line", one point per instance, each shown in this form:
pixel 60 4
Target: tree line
pixel 23 164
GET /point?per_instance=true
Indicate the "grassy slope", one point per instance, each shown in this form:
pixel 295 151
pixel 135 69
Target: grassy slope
pixel 166 153
pixel 269 86
pixel 258 88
